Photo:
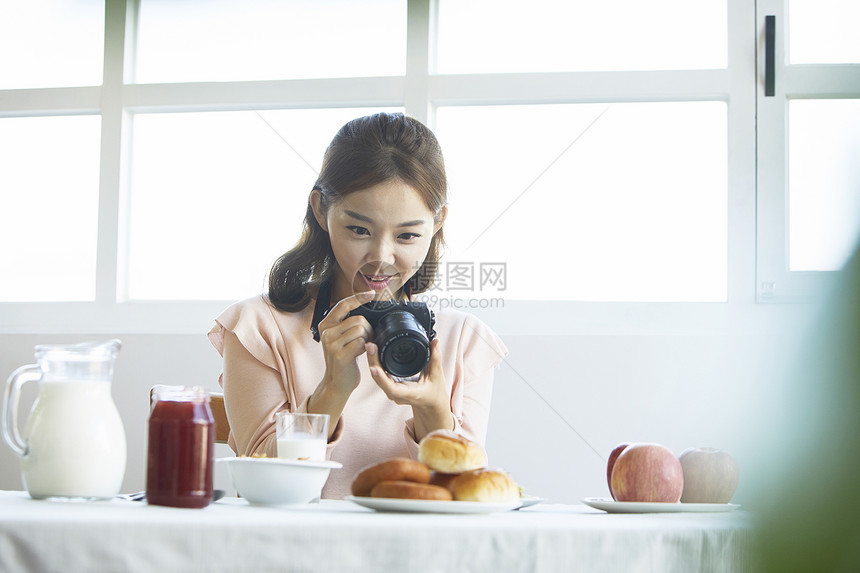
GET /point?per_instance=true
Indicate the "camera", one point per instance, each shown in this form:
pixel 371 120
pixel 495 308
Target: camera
pixel 402 331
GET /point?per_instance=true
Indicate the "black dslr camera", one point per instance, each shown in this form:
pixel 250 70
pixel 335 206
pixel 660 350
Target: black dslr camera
pixel 402 331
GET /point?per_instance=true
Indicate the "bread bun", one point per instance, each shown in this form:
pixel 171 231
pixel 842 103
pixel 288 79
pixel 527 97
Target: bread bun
pixel 442 480
pixel 485 485
pixel 394 469
pixel 450 453
pixel 410 490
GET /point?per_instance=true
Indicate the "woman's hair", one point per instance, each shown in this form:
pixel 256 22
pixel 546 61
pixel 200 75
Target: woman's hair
pixel 365 152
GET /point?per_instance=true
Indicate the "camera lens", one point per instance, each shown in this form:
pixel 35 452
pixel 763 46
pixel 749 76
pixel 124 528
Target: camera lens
pixel 404 349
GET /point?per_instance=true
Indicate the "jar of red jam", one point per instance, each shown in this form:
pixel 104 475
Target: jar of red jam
pixel 181 448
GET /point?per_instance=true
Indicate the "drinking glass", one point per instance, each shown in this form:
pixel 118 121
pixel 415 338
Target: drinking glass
pixel 302 436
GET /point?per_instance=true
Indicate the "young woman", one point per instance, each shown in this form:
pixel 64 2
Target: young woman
pixel 372 231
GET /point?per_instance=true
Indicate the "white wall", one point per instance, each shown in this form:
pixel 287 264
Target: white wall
pixel 556 396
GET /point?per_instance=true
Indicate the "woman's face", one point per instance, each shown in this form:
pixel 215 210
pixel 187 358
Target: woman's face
pixel 379 236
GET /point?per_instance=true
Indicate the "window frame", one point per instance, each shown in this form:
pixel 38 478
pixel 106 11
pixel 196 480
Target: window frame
pixel 775 282
pixel 420 92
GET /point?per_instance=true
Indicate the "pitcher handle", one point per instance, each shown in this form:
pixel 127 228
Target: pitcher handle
pixel 18 378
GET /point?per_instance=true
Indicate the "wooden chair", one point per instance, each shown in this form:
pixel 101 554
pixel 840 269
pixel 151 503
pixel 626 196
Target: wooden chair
pixel 219 413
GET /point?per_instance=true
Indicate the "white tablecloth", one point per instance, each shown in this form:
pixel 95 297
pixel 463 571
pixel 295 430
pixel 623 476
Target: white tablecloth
pixel 339 536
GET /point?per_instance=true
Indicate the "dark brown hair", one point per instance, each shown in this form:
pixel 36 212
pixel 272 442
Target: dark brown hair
pixel 365 152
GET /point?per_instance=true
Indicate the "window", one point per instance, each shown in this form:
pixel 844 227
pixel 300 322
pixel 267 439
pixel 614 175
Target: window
pixel 632 138
pixel 823 32
pixel 552 36
pixel 652 231
pixel 809 146
pixel 216 197
pixel 49 215
pixel 224 40
pixel 51 43
pixel 823 182
pixel 581 89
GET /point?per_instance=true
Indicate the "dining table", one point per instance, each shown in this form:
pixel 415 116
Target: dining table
pixel 233 535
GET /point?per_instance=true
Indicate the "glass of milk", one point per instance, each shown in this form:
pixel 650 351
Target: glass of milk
pixel 301 436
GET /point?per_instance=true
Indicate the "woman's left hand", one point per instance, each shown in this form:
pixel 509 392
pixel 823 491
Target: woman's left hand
pixel 428 396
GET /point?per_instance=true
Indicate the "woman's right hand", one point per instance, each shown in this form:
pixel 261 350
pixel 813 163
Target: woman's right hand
pixel 343 339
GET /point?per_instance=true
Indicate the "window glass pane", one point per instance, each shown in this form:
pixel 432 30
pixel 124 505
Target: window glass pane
pixel 824 31
pixel 580 35
pixel 49 188
pixel 225 40
pixel 824 183
pixel 629 205
pixel 217 196
pixel 51 43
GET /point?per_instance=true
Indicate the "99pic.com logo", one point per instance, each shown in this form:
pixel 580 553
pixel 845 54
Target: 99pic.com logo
pixel 463 285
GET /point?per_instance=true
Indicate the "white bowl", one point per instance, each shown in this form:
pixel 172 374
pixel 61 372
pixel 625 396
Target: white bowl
pixel 273 481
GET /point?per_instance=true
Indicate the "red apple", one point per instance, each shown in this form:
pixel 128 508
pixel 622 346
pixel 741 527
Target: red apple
pixel 613 455
pixel 710 475
pixel 647 472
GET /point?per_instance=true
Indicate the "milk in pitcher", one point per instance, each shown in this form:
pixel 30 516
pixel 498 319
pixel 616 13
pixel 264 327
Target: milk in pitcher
pixel 76 441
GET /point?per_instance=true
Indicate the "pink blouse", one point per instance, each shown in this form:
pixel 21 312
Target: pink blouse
pixel 279 365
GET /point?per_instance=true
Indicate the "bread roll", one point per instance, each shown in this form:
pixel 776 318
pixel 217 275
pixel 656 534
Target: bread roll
pixel 449 453
pixel 442 480
pixel 410 490
pixel 485 485
pixel 394 469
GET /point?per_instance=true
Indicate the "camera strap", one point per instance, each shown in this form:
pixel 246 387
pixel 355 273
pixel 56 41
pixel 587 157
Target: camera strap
pixel 321 307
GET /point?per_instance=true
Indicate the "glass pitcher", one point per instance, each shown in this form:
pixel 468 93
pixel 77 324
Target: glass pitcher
pixel 73 444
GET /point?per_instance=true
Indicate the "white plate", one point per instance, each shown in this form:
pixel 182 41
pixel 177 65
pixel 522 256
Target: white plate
pixel 432 506
pixel 530 500
pixel 612 506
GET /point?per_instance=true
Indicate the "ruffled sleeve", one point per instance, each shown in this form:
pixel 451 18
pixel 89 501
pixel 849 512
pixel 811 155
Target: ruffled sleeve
pixel 255 377
pixel 252 323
